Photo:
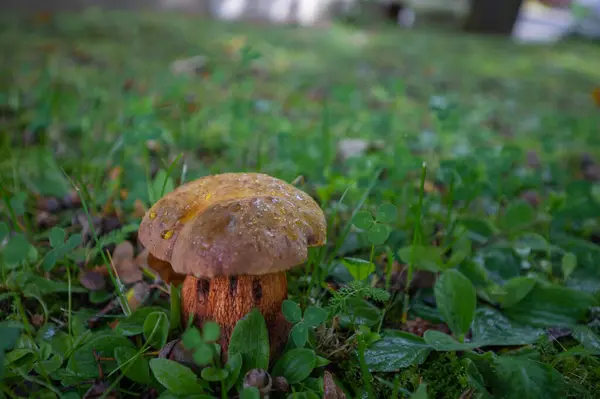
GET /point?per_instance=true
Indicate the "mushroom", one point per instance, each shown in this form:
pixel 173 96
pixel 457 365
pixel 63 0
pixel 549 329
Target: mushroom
pixel 232 237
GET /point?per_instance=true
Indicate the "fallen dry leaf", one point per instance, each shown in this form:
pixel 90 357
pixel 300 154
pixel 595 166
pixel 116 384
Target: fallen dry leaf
pixel 92 280
pixel 137 295
pixel 332 391
pixel 418 327
pixel 124 264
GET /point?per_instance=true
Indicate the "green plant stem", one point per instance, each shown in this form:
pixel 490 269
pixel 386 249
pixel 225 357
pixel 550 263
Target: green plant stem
pixel 366 375
pixel 416 240
pixel 70 301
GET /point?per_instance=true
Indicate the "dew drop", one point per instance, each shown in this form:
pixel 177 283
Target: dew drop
pixel 167 234
pixel 152 215
pixel 207 197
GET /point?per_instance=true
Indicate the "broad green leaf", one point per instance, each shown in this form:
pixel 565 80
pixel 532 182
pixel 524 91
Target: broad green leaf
pixel 360 269
pixel 295 365
pixel 134 366
pixel 386 213
pixel 396 350
pixel 444 342
pixel 378 233
pixel 528 379
pixel 515 290
pixel 57 237
pixel 587 338
pixel 156 329
pixel 475 378
pixel 518 215
pixel 72 242
pixel 425 257
pixel 174 376
pixel 3 231
pixel 299 334
pixel 234 365
pixel 291 311
pixel 303 395
pixel 48 366
pixel 211 331
pixel 17 203
pixel 16 250
pixel 321 362
pixel 361 312
pixel 551 306
pixel 492 328
pixel 83 363
pixel 134 324
pixel 213 374
pixel 569 263
pixel 251 339
pixel 192 338
pixel 456 300
pixel 478 230
pixel 421 392
pixel 363 220
pixel 250 393
pixel 203 354
pixel 314 316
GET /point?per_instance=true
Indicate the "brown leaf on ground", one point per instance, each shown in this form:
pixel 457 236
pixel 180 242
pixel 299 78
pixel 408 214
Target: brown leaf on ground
pixel 174 350
pixel 418 327
pixel 332 391
pixel 45 220
pixel 98 389
pixel 124 264
pixel 48 204
pixel 37 320
pixel 92 280
pixel 137 295
pixel 139 209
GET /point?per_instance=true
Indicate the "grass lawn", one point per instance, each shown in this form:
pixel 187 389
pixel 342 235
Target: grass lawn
pixel 462 255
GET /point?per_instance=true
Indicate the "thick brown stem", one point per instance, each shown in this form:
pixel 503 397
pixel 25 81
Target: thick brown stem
pixel 226 300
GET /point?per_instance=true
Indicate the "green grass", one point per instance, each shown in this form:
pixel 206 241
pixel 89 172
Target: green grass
pixel 93 119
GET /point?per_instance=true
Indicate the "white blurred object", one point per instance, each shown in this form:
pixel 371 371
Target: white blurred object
pixel 539 24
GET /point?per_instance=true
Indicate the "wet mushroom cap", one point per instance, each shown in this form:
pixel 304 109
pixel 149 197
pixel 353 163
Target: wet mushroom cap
pixel 233 224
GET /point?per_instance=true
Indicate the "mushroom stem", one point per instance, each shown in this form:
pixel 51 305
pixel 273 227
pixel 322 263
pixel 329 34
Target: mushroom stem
pixel 226 300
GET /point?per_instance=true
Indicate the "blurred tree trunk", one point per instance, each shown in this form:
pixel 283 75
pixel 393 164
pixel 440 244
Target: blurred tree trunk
pixel 493 16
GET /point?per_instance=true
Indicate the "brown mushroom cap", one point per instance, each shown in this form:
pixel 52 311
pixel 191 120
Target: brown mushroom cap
pixel 233 224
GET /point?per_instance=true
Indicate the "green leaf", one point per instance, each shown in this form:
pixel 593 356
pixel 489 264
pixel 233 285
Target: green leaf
pixel 3 231
pixel 299 334
pixel 363 220
pixel 73 242
pixel 16 250
pixel 314 316
pixel 515 290
pixel 203 354
pixel 213 374
pixel 57 237
pixel 421 392
pixel 17 203
pixel 360 269
pixel 83 363
pixel 396 350
pixel 156 329
pixel 134 366
pixel 456 300
pixel 551 306
pixel 250 338
pixel 386 213
pixel 569 263
pixel 191 338
pixel 444 342
pixel 291 311
pixel 295 365
pixel 525 378
pixel 234 366
pixel 303 395
pixel 378 233
pixel 587 338
pixel 360 311
pixel 174 376
pixel 321 362
pixel 211 331
pixel 425 257
pixel 250 393
pixel 134 324
pixel 492 328
pixel 518 215
pixel 478 230
pixel 475 378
